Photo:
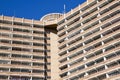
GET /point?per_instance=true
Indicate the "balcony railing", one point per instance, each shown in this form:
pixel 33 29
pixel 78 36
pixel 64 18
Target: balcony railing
pixel 96 65
pixel 89 37
pixel 96 49
pixel 99 64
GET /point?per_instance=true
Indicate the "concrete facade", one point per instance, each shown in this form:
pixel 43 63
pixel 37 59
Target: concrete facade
pixel 89 41
pixel 83 44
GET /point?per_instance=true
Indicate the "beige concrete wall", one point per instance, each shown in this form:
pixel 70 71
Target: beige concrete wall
pixel 54 56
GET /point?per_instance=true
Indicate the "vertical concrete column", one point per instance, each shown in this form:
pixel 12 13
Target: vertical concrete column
pixel 30 78
pixel 66 26
pixel 106 67
pixel 107 76
pixel 2 17
pixel 102 41
pixel 71 11
pixel 86 74
pixel 87 2
pixel 68 65
pixel 12 20
pixel 8 77
pixel 12 28
pixel 32 33
pixel 79 8
pixel 83 38
pixel 81 19
pixel 54 56
pixel 80 12
pixel 68 73
pixel 22 20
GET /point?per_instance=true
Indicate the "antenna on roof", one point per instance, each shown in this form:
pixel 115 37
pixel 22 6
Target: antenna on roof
pixel 64 10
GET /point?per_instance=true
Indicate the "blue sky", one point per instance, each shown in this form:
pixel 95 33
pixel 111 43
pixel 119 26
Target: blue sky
pixel 35 9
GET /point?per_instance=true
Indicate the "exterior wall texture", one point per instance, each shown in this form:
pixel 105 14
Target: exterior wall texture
pixel 83 44
pixel 26 47
pixel 89 41
pixel 21 49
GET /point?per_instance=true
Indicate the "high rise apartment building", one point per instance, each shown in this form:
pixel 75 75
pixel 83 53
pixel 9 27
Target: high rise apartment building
pixel 25 48
pixel 83 44
pixel 89 41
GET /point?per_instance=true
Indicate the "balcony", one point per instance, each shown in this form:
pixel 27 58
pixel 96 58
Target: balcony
pixel 89 60
pixel 114 77
pixel 96 65
pixel 95 27
pixel 89 37
pixel 22 59
pixel 14 45
pixel 15 73
pixel 21 66
pixel 37 75
pixel 108 5
pixel 11 26
pixel 92 14
pixel 22 46
pixel 96 49
pixel 23 53
pixel 103 72
pixel 104 38
pixel 38 29
pixel 70 20
pixel 61 33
